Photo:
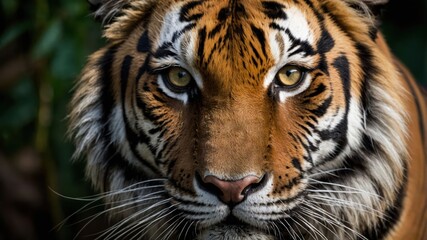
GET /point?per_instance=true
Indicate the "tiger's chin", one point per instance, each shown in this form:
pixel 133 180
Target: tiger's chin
pixel 234 229
pixel 234 232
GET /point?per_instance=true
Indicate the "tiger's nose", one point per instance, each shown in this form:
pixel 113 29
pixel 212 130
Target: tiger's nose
pixel 231 192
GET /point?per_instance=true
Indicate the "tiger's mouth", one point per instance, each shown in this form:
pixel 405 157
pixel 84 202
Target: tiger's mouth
pixel 231 220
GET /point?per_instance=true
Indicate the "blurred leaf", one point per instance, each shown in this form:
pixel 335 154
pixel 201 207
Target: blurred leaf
pixel 13 32
pixel 75 8
pixel 20 107
pixel 19 110
pixel 63 66
pixel 9 6
pixel 48 40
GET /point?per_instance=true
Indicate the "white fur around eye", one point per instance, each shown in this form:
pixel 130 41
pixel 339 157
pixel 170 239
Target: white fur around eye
pixel 284 94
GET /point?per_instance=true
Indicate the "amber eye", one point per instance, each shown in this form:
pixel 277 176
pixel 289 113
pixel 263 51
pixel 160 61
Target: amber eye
pixel 290 76
pixel 178 79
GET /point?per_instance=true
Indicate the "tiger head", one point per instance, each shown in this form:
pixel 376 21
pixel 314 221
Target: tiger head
pixel 242 119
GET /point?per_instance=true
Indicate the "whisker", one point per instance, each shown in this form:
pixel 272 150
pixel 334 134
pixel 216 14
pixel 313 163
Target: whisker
pixel 295 234
pixel 124 206
pixel 336 222
pixel 174 229
pixel 329 172
pixel 295 221
pixel 183 228
pixel 313 228
pixel 189 227
pixel 98 197
pixel 334 191
pixel 144 230
pixel 287 229
pixel 346 187
pixel 330 201
pixel 112 192
pixel 111 232
pixel 312 215
pixel 170 229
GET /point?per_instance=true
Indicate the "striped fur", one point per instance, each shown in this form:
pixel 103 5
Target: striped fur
pixel 342 155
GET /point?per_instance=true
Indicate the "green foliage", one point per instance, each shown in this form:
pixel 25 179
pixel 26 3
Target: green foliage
pixel 404 25
pixel 43 48
pixel 18 114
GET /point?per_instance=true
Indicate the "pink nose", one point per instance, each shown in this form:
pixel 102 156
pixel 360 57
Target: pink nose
pixel 233 191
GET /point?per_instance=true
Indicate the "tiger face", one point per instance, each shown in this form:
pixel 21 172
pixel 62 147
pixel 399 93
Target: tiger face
pixel 232 119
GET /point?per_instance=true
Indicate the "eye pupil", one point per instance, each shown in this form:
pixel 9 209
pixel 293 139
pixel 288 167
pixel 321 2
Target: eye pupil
pixel 182 74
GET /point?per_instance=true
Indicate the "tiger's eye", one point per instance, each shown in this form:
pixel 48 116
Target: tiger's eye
pixel 179 78
pixel 289 76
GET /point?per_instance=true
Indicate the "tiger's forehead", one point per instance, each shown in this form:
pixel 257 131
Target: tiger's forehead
pixel 230 42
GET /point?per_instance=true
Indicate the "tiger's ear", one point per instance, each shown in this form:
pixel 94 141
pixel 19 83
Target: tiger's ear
pixel 374 11
pixel 375 5
pixel 107 10
pixel 375 2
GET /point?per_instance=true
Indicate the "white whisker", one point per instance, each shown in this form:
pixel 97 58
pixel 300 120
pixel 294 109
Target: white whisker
pixel 112 231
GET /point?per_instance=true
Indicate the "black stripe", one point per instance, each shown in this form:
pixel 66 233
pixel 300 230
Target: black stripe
pixel 342 65
pixel 323 108
pixel 319 16
pixel 202 39
pixel 306 130
pixel 114 158
pixel 368 72
pixel 143 69
pixel 274 10
pixel 124 75
pixel 299 45
pixel 186 9
pixel 117 163
pixel 255 50
pixel 296 164
pixel 105 64
pixel 165 51
pixel 276 26
pixel 215 31
pixel 319 90
pixel 369 144
pixel 259 34
pixel 187 28
pixel 326 42
pixel 223 14
pixel 393 212
pixel 144 44
pixel 131 136
pixel 339 133
pixel 417 103
pixel 147 111
pixel 324 45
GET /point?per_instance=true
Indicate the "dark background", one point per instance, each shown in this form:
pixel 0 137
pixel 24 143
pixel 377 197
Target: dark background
pixel 43 46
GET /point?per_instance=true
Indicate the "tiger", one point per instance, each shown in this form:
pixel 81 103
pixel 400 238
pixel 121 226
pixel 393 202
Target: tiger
pixel 251 119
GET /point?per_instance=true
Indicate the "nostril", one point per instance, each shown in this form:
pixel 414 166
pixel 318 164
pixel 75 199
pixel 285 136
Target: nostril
pixel 208 187
pixel 255 187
